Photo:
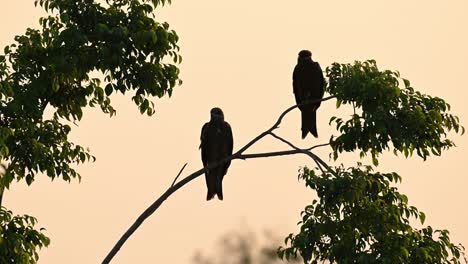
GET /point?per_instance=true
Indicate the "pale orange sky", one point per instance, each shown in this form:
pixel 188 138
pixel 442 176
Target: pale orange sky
pixel 239 55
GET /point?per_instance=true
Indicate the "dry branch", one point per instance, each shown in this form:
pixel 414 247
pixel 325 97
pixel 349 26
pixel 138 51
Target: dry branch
pixel 238 155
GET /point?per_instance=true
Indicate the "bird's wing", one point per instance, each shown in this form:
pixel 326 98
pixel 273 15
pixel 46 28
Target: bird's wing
pixel 229 138
pixel 203 138
pixel 229 144
pixel 297 84
pixel 318 82
pixel 322 80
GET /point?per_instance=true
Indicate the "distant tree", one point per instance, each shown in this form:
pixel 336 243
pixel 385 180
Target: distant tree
pixel 244 247
pixel 51 68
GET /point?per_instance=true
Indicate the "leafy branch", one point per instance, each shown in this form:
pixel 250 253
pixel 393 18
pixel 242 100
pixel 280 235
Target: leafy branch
pixel 359 217
pixel 386 110
pixel 238 155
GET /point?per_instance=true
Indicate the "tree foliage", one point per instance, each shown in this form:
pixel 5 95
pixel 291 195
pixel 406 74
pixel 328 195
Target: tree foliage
pixel 359 216
pixel 53 69
pixel 53 66
pixel 386 115
pixel 19 240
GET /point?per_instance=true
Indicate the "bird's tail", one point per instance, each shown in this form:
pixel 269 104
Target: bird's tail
pixel 214 183
pixel 309 122
pixel 219 186
pixel 210 185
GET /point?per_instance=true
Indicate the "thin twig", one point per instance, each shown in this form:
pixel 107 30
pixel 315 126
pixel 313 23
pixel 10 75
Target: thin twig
pixel 316 161
pixel 319 166
pixel 310 154
pixel 182 169
pixel 280 119
pixel 238 155
pixel 269 154
pixel 318 146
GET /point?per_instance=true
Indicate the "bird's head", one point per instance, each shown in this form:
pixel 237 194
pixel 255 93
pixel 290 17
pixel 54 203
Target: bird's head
pixel 217 114
pixel 304 55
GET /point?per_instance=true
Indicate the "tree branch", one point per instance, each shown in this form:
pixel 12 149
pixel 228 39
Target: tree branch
pixel 238 155
pixel 319 166
pixel 310 154
pixel 181 170
pixel 269 154
pixel 306 152
pixel 280 118
pixel 318 146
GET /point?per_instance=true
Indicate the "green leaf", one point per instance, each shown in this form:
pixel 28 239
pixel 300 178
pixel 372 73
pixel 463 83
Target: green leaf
pixel 154 38
pixel 360 210
pixel 407 83
pixel 65 18
pixel 422 217
pixel 338 103
pixel 144 106
pixel 109 89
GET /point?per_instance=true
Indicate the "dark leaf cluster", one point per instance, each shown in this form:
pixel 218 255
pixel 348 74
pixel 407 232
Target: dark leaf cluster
pixel 386 116
pixel 54 67
pixel 82 53
pixel 360 218
pixel 19 241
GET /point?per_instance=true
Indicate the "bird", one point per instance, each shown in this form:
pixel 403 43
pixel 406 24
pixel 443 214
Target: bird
pixel 308 85
pixel 216 144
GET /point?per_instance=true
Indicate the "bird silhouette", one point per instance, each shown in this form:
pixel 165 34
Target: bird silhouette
pixel 216 144
pixel 308 84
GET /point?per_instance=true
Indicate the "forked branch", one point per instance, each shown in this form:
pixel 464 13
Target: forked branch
pixel 238 155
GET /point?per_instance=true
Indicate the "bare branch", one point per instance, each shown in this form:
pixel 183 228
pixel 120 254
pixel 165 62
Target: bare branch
pixel 308 153
pixel 269 154
pixel 319 166
pixel 318 146
pixel 182 169
pixel 280 119
pixel 238 155
pixel 316 161
pixel 279 153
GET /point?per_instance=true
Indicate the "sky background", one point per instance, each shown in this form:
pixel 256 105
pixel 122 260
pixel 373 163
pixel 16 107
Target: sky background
pixel 239 55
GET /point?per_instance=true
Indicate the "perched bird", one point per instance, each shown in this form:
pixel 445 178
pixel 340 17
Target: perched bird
pixel 216 144
pixel 308 84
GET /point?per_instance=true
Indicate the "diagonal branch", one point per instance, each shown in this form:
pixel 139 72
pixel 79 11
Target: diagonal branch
pixel 308 153
pixel 280 153
pixel 180 172
pixel 238 155
pixel 318 146
pixel 276 124
pixel 316 158
pixel 320 166
pixel 271 154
